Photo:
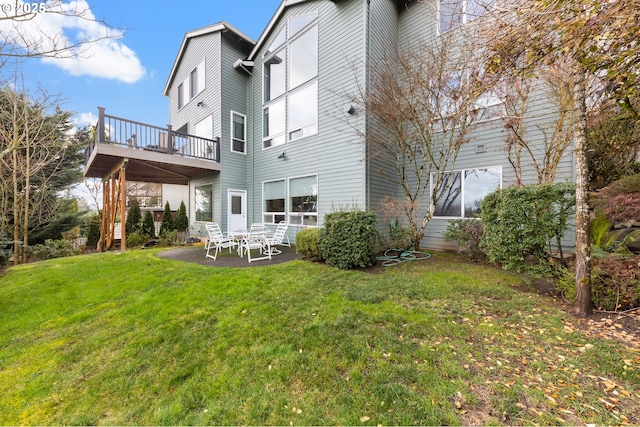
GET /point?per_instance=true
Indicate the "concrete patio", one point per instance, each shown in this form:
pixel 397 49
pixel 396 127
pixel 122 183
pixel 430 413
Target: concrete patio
pixel 196 253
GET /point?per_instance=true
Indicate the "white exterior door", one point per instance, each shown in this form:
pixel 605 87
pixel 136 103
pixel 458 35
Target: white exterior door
pixel 237 210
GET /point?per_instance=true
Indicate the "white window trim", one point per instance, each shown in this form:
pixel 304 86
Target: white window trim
pixel 200 70
pixel 231 135
pixel 465 19
pixel 289 130
pixel 462 182
pixel 287 214
pixel 285 96
pixel 282 134
pixel 284 213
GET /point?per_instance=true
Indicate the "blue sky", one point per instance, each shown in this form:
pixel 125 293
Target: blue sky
pixel 127 76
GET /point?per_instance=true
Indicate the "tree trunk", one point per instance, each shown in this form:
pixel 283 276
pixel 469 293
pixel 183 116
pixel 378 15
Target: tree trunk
pixel 582 304
pixel 27 199
pixel 16 210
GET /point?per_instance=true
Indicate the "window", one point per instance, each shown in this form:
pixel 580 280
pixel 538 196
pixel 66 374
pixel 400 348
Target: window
pixel 274 75
pixel 238 133
pixel 303 112
pixel 455 93
pixel 197 80
pixel 194 83
pixel 456 12
pixel 290 85
pixel 180 95
pixel 461 192
pixel 147 194
pixel 204 203
pixel 274 196
pixel 273 125
pixel 300 206
pixel 303 201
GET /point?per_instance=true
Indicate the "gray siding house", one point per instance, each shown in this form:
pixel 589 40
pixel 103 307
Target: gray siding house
pixel 290 143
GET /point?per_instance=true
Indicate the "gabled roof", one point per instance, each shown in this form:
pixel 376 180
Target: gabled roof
pixel 220 26
pixel 274 19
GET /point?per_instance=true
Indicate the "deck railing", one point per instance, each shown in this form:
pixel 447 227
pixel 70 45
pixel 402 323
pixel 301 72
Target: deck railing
pixel 141 136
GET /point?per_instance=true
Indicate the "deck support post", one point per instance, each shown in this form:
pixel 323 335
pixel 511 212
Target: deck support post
pixel 114 199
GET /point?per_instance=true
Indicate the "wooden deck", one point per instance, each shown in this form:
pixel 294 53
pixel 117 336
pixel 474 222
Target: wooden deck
pixel 151 153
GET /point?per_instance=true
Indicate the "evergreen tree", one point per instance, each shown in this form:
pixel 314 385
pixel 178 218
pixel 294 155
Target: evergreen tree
pixel 182 222
pixel 133 217
pixel 148 226
pixel 167 220
pixel 93 235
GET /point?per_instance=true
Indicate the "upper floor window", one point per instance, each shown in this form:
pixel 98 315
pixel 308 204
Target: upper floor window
pixel 238 133
pixel 290 86
pixel 190 87
pixel 456 12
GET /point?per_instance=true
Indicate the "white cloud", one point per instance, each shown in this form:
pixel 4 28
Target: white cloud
pixel 66 24
pixel 83 119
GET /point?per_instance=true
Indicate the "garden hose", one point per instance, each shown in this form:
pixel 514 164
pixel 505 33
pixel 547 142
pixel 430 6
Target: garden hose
pixel 401 255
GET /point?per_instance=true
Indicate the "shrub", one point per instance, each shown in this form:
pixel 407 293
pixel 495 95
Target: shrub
pixel 349 239
pixel 168 238
pixel 620 201
pixel 5 249
pixel 137 238
pixel 615 283
pixel 93 234
pixel 307 244
pixel 522 223
pixel 599 230
pixel 468 234
pixel 51 249
pixel 148 226
pixel 182 222
pixel 167 221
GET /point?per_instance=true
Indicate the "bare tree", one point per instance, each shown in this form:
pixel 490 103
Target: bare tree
pixel 420 104
pixel 94 188
pixel 23 35
pixel 516 93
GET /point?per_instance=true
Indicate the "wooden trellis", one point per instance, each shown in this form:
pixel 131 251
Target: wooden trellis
pixel 114 199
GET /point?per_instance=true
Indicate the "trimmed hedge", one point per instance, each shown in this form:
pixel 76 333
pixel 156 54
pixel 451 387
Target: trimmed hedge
pixel 349 239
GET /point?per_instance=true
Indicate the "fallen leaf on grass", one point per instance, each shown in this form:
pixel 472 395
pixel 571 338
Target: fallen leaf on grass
pixel 364 419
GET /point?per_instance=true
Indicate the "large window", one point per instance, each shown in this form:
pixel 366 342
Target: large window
pixel 204 203
pixel 238 133
pixel 147 194
pixel 290 83
pixel 303 199
pixel 461 192
pixel 293 199
pixel 456 12
pixel 190 87
pixel 274 196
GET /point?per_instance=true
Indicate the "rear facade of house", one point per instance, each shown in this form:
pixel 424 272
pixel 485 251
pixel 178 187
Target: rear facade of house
pixel 292 146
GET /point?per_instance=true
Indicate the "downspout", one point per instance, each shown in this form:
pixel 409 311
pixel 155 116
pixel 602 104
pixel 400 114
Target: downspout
pixel 367 171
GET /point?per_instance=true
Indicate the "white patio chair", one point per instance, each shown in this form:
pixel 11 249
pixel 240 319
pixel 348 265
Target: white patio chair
pixel 256 240
pixel 216 238
pixel 279 237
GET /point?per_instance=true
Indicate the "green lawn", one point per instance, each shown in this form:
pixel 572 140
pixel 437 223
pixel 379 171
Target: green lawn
pixel 135 339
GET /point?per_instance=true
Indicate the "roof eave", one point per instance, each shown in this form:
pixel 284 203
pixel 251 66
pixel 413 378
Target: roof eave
pixel 220 26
